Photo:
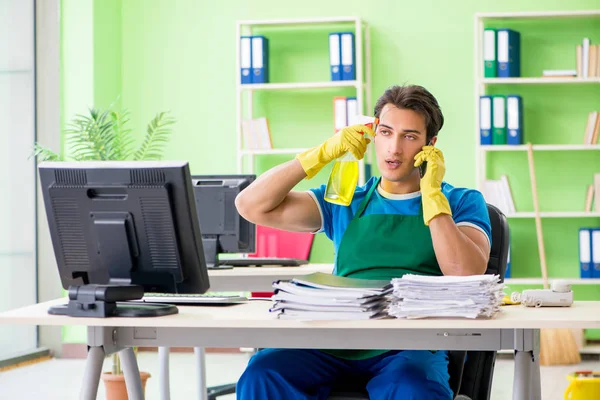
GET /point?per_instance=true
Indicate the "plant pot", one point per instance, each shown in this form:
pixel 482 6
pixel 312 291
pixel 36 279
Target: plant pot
pixel 115 385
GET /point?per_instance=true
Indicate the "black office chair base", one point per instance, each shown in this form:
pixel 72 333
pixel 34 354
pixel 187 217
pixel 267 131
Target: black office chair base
pixel 215 392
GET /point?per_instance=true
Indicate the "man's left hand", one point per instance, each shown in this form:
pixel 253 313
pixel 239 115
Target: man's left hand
pixel 434 201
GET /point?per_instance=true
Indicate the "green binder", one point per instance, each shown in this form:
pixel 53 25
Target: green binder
pixel 490 44
pixel 499 119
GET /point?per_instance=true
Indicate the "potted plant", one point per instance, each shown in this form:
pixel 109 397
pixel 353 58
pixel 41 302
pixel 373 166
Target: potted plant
pixel 103 135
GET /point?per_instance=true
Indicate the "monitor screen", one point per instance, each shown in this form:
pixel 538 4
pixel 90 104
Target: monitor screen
pixel 124 223
pixel 224 230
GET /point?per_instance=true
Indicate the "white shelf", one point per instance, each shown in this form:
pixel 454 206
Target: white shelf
pixel 300 85
pixel 300 21
pixel 556 214
pixel 272 151
pixel 540 281
pixel 540 147
pixel 529 81
pixel 539 14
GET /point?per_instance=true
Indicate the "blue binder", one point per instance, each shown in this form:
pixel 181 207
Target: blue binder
pixel 260 59
pixel 246 59
pixel 585 252
pixel 509 53
pixel 335 56
pixel 507 274
pixel 514 116
pixel 348 58
pixel 485 119
pixel 595 256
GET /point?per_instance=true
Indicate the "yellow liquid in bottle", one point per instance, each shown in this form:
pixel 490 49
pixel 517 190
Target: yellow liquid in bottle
pixel 342 183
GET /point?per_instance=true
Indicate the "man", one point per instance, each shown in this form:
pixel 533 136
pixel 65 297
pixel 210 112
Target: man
pixel 396 224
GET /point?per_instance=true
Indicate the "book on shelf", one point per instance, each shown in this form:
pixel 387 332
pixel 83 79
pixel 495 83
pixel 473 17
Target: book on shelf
pixel 342 58
pixel 257 134
pixel 597 191
pixel 321 296
pixel 592 128
pixel 501 53
pixel 501 120
pixel 559 73
pixel 254 59
pixel 498 193
pixel 589 198
pixel 588 59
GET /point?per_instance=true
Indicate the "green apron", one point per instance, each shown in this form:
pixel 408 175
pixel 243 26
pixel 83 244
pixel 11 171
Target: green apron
pixel 384 246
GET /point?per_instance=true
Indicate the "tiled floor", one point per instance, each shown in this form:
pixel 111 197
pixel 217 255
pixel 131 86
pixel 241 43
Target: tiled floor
pixel 60 379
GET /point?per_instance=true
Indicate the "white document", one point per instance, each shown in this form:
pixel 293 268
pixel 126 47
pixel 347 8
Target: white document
pixel 474 296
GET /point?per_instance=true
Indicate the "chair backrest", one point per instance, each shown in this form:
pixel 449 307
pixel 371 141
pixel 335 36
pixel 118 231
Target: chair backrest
pixel 271 242
pixel 471 372
pixel 500 239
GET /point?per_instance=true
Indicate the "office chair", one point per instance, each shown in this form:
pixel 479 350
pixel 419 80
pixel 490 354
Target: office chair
pixel 470 372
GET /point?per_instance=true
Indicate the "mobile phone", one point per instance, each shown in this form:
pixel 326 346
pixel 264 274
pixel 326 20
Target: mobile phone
pixel 423 166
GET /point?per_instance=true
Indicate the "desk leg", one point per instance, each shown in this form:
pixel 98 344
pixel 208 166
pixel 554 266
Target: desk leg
pixel 163 374
pixel 536 386
pixel 132 374
pixel 201 368
pixel 91 374
pixel 522 378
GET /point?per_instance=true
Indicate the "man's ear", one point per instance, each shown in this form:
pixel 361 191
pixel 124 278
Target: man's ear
pixel 432 141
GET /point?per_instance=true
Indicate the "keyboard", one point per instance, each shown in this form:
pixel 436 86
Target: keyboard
pixel 191 299
pixel 262 261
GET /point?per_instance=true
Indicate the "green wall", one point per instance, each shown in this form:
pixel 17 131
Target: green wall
pixel 179 55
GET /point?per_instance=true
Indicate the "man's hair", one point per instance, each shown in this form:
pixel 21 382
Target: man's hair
pixel 415 98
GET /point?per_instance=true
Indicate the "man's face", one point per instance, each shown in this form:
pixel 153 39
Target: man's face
pixel 400 135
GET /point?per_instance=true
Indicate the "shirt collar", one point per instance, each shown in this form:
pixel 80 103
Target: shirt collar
pixel 393 196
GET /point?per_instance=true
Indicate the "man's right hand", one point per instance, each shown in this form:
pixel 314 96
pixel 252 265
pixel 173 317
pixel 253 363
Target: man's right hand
pixel 350 139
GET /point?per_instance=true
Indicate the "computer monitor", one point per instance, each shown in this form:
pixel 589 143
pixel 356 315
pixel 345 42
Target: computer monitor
pixel 120 229
pixel 224 230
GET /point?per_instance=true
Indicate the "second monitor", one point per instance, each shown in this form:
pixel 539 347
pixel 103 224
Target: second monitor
pixel 224 230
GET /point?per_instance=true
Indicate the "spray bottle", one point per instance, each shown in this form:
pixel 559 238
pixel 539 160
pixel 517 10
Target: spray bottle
pixel 344 176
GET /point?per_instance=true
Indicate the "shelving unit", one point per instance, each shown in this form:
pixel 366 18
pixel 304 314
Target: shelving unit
pixel 508 84
pixel 245 92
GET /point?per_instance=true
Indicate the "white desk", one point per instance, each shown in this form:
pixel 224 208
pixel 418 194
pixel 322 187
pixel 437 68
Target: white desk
pixel 251 325
pixel 243 279
pixel 258 279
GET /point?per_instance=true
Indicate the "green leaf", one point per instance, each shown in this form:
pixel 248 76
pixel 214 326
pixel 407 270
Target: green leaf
pixel 157 134
pixel 44 154
pixel 104 135
pixel 90 136
pixel 121 138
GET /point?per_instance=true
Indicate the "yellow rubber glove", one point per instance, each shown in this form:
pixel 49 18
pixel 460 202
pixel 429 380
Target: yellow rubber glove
pixel 350 139
pixel 434 201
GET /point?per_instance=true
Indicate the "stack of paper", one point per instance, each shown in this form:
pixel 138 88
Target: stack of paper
pixel 320 296
pixel 475 296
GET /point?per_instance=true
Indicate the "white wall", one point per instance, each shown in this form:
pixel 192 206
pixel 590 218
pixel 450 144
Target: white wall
pixel 48 133
pixel 17 170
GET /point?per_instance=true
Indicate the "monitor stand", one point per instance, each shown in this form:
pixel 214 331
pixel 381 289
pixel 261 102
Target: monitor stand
pixel 102 301
pixel 211 251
